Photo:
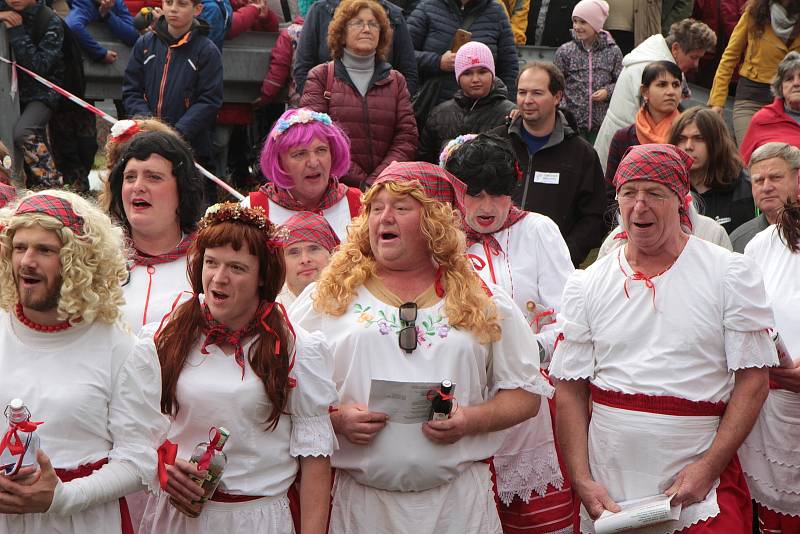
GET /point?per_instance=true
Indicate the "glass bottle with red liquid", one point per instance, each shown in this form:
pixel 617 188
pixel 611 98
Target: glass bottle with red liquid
pixel 207 456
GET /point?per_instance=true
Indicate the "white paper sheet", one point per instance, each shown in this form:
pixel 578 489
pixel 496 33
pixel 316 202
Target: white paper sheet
pixel 404 402
pixel 637 513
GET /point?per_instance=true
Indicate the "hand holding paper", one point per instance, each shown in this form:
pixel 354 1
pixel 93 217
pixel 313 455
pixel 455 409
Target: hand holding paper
pixel 595 498
pixel 637 513
pixel 357 423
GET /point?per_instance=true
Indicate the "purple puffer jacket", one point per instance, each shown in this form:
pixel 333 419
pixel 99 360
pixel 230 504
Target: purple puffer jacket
pixel 587 71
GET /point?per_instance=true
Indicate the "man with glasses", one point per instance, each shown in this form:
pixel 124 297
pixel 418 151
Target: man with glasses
pixel 400 303
pixel 668 336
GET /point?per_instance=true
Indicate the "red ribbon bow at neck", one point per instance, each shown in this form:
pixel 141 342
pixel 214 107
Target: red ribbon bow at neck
pixel 11 439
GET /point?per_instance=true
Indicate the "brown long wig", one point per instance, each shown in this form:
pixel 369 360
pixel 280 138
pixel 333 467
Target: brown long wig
pixel 187 320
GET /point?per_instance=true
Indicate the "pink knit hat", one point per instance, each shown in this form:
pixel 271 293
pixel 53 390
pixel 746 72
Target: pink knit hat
pixel 471 55
pixel 595 12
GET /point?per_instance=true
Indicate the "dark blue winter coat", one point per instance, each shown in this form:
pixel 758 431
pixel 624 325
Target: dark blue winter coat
pixel 44 58
pixel 312 48
pixel 218 14
pixel 432 25
pixel 178 81
pixel 119 20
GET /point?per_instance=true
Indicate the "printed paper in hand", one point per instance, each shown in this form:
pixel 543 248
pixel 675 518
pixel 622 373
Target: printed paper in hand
pixel 637 513
pixel 403 402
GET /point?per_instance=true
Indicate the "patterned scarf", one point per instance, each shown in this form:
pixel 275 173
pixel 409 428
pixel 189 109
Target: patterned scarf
pixel 282 197
pixel 514 216
pixel 217 333
pixel 144 259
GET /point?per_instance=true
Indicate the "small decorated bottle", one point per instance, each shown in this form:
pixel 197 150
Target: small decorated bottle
pixel 442 403
pixel 20 442
pixel 207 456
pixel 785 360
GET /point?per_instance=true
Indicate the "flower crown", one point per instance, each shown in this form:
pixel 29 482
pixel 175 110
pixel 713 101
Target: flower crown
pixel 452 146
pixel 233 211
pixel 303 116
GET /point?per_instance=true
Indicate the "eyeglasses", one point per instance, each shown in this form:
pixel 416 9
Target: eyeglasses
pixel 408 334
pixel 361 24
pixel 631 197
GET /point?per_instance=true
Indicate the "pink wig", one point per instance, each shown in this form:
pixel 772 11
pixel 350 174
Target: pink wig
pixel 302 134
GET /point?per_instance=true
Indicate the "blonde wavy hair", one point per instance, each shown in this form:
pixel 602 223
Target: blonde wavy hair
pixel 466 303
pixel 92 264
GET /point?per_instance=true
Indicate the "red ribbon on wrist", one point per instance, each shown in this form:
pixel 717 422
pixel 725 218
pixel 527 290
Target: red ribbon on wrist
pixel 167 453
pixel 11 439
pixel 205 459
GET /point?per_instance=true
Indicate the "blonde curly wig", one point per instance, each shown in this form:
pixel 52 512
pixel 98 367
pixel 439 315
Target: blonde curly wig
pixel 466 304
pixel 92 264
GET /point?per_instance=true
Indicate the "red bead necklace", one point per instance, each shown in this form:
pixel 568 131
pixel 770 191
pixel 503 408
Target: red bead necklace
pixel 39 327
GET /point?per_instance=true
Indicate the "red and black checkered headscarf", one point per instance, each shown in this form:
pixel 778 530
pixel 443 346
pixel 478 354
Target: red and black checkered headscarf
pixel 56 207
pixel 661 163
pixel 7 194
pixel 307 226
pixel 436 182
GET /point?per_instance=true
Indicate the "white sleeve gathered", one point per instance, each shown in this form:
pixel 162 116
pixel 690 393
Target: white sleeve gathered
pixel 573 359
pixel 554 267
pixel 135 421
pixel 746 316
pixel 746 308
pixel 314 394
pixel 112 481
pixel 514 360
pixel 749 349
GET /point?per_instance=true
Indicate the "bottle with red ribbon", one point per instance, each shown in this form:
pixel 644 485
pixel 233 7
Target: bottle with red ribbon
pixel 20 442
pixel 442 402
pixel 208 456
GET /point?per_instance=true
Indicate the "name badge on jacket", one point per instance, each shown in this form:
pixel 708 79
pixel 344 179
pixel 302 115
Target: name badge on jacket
pixel 546 177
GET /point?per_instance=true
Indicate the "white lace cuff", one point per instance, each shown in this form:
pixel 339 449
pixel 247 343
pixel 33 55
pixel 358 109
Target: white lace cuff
pixel 572 360
pixel 539 386
pixel 312 436
pixel 527 471
pixel 749 349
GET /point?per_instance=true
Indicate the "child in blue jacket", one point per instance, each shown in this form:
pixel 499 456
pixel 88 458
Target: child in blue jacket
pixel 175 74
pixel 114 13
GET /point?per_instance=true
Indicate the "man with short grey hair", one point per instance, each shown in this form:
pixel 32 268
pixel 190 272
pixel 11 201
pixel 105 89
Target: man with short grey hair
pixel 774 178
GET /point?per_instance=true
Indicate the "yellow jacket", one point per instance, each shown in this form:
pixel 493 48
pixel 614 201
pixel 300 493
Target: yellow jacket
pixel 760 62
pixel 518 18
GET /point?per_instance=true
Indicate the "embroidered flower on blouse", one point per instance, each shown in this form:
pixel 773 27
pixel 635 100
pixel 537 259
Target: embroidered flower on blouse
pixel 428 329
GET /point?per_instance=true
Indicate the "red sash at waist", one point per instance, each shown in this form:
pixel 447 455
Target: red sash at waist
pixel 221 496
pixel 66 475
pixel 661 404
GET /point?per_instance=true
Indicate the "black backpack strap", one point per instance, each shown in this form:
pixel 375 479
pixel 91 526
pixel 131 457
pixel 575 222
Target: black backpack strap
pixel 287 13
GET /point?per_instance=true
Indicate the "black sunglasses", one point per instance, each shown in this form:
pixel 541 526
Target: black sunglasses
pixel 408 334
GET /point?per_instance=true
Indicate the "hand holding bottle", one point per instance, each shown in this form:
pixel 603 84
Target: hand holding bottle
pixel 182 488
pixel 33 493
